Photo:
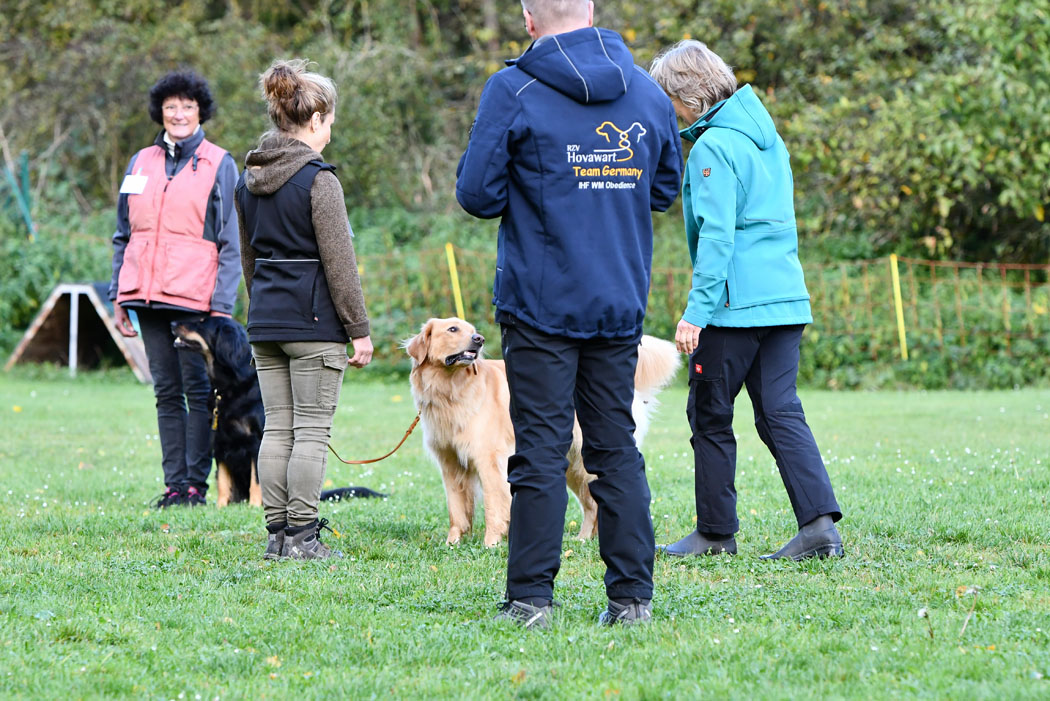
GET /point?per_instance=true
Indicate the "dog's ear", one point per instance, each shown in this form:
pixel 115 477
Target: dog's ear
pixel 229 344
pixel 418 346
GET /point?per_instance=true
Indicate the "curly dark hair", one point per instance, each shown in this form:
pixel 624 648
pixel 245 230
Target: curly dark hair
pixel 181 84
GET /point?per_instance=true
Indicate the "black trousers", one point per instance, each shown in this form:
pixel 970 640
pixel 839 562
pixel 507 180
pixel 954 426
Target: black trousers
pixel 550 377
pixel 765 360
pixel 181 387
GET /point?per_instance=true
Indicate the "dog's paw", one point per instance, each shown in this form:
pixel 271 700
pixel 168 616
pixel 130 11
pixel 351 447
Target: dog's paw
pixel 454 536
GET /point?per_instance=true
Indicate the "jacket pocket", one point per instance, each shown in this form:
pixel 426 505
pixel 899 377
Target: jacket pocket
pixel 330 379
pixel 283 294
pixel 190 268
pixel 707 360
pixel 765 267
pixel 132 268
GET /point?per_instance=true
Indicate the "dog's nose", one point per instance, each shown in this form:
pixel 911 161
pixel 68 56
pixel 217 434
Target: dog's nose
pixel 478 338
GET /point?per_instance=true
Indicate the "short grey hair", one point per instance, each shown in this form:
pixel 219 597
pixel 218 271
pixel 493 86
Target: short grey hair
pixel 694 74
pixel 553 12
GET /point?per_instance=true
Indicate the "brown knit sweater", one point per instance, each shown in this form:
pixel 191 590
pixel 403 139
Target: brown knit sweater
pixel 269 167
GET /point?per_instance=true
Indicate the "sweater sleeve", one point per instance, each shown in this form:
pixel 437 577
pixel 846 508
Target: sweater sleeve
pixel 332 229
pixel 714 200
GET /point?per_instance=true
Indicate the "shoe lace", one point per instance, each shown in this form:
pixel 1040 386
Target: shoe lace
pixel 634 608
pixel 165 497
pixel 323 524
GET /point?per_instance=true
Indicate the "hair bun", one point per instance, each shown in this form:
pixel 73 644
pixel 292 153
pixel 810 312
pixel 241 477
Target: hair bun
pixel 293 94
pixel 282 80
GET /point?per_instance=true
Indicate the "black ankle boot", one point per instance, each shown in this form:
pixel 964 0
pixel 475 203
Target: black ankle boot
pixel 274 540
pixel 697 544
pixel 818 538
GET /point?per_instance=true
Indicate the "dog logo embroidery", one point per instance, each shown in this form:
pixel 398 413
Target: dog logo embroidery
pixel 706 172
pixel 607 129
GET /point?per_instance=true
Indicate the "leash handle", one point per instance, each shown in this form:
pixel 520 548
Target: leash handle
pixel 365 462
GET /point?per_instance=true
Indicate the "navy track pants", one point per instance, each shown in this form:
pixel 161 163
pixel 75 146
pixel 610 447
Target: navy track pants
pixel 765 360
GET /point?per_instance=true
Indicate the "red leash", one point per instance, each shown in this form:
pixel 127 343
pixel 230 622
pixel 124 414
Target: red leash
pixel 365 462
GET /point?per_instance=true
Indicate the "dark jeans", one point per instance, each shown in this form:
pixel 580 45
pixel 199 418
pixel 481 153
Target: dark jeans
pixel 181 386
pixel 765 360
pixel 549 378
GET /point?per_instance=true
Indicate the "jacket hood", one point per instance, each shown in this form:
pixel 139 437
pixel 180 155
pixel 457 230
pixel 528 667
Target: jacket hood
pixel 743 112
pixel 588 65
pixel 278 158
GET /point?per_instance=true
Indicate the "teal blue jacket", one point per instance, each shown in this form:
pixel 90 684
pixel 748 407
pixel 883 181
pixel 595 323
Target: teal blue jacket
pixel 738 199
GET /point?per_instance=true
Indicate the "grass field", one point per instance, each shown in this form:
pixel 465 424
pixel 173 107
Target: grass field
pixel 945 502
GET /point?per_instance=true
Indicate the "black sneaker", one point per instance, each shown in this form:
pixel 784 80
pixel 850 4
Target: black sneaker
pixel 170 497
pixel 638 611
pixel 525 615
pixel 194 497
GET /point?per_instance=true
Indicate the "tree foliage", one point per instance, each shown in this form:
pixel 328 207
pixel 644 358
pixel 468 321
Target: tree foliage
pixel 914 127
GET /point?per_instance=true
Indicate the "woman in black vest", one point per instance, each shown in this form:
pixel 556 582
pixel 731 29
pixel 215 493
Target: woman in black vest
pixel 305 300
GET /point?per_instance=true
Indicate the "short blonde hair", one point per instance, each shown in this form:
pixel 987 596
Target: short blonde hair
pixel 293 93
pixel 694 74
pixel 553 12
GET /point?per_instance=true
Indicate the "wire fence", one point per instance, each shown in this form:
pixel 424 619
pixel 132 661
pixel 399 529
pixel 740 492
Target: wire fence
pixel 943 305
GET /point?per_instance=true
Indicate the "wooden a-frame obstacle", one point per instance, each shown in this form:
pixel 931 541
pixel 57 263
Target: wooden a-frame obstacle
pixel 75 326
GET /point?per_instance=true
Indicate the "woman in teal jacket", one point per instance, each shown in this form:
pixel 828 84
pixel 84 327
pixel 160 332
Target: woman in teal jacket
pixel 747 307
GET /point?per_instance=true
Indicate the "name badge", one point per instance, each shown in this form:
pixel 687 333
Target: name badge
pixel 133 184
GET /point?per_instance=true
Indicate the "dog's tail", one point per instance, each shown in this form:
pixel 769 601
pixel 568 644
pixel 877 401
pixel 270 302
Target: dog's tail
pixel 348 493
pixel 658 361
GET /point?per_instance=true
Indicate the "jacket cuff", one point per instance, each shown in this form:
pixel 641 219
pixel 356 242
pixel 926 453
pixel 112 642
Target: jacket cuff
pixel 696 319
pixel 224 308
pixel 358 330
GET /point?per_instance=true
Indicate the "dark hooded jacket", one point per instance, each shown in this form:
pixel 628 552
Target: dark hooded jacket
pixel 573 147
pixel 296 250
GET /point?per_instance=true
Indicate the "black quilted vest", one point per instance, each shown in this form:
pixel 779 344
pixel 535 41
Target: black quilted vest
pixel 289 300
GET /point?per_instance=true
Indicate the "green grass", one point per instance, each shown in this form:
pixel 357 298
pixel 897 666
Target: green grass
pixel 944 497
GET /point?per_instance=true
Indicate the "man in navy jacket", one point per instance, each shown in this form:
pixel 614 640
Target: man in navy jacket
pixel 573 147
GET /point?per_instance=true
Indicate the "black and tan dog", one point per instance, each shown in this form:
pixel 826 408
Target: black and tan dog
pixel 237 408
pixel 236 403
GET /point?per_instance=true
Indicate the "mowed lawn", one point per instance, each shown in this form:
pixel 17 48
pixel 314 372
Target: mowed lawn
pixel 945 501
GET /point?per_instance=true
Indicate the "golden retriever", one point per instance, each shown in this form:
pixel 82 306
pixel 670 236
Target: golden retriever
pixel 464 407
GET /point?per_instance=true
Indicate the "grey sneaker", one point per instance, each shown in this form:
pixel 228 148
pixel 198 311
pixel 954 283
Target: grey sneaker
pixel 638 611
pixel 526 615
pixel 818 538
pixel 274 540
pixel 304 542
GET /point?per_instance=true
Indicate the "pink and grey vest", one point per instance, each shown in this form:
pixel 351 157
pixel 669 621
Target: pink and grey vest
pixel 167 258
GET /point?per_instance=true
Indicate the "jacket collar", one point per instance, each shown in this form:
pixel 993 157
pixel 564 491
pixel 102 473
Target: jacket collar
pixel 184 148
pixel 696 129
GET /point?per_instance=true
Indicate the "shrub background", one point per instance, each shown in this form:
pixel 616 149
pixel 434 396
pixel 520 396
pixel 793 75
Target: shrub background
pixel 916 128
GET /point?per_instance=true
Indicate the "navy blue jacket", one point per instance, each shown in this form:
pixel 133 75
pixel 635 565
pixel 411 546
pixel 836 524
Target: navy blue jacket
pixel 573 147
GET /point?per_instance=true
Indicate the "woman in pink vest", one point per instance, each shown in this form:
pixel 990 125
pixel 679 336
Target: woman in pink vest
pixel 176 256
